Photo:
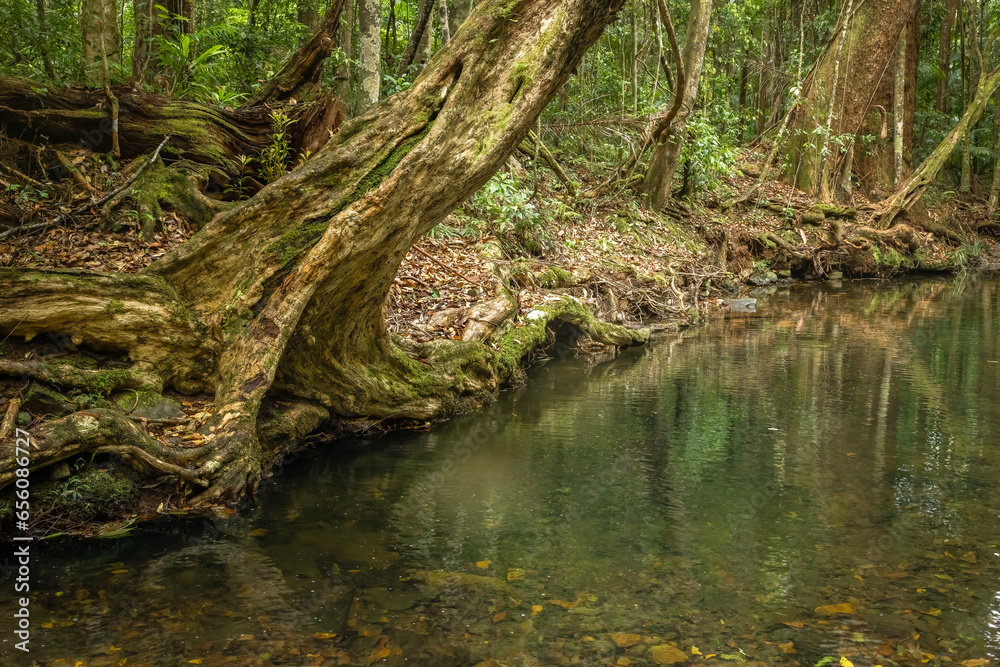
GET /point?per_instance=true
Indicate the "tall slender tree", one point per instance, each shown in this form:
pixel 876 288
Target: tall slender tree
pixel 369 52
pixel 669 141
pixel 99 32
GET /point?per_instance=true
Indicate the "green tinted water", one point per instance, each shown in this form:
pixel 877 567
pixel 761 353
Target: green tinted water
pixel 818 480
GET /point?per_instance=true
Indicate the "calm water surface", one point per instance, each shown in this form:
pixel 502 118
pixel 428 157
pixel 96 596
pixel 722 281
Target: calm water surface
pixel 820 479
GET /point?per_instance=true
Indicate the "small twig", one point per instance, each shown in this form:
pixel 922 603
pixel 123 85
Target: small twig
pixel 77 176
pixel 134 405
pixel 21 176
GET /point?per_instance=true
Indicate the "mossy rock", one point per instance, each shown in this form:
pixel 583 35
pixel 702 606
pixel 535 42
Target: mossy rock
pixel 761 278
pixel 42 400
pixel 834 211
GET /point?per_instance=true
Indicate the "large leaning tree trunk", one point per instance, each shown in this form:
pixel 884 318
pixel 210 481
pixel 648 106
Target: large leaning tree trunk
pixel 838 95
pixel 278 302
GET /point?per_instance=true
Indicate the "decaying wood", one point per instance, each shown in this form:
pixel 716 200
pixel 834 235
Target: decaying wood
pixel 9 418
pixel 202 134
pixel 299 77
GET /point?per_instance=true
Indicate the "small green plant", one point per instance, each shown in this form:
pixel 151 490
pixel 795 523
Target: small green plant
pixel 25 194
pixel 74 488
pixel 187 75
pixel 508 210
pixel 708 156
pixel 274 158
pixel 967 253
pixel 224 97
pixel 238 186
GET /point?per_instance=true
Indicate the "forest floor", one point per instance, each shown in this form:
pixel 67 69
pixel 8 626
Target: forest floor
pixel 527 236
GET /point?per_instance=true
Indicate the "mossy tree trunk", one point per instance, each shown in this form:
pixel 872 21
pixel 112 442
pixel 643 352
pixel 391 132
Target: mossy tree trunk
pixel 838 95
pixel 284 293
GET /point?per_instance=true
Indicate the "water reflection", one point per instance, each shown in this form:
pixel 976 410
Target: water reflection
pixel 815 479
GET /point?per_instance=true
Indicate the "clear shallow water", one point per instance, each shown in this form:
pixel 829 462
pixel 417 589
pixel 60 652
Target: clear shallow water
pixel 819 479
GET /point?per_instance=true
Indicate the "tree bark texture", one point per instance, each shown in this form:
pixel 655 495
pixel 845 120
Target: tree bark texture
pixel 839 93
pixel 202 134
pixel 291 283
pixel 460 10
pixel 369 52
pixel 99 32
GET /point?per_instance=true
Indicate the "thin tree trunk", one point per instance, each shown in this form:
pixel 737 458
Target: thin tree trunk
pixel 43 29
pixel 345 83
pixel 422 26
pixel 913 188
pixel 100 38
pixel 105 76
pixel 426 46
pixel 668 143
pixel 369 52
pixel 460 10
pixel 964 182
pixel 635 60
pixel 899 110
pixel 944 54
pixel 443 18
pixel 991 207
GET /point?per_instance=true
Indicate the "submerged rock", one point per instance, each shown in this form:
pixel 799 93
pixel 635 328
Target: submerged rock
pixel 665 654
pixel 740 305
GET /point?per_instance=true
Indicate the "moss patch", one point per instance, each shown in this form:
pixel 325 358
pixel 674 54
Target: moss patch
pixel 114 306
pixel 89 493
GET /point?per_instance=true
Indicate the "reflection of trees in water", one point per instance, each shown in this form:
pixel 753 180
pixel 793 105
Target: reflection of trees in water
pixel 879 405
pixel 215 587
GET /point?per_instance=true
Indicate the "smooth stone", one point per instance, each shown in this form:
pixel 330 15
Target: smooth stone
pixel 665 654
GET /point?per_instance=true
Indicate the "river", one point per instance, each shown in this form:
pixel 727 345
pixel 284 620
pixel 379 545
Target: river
pixel 817 482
